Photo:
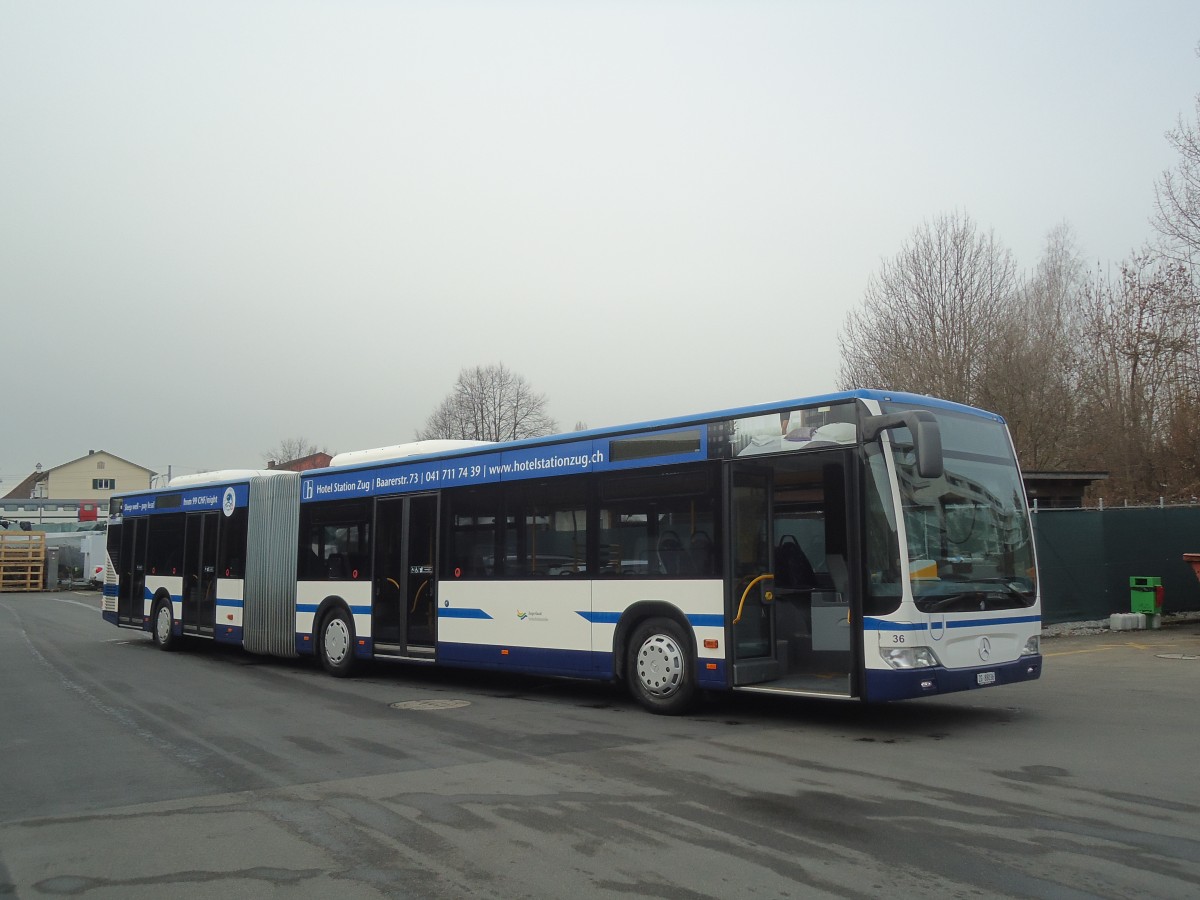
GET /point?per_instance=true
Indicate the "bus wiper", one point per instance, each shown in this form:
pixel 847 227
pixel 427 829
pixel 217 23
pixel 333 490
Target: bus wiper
pixel 977 599
pixel 942 603
pixel 1007 585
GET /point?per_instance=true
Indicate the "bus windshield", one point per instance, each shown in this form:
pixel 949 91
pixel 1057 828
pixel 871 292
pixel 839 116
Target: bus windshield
pixel 969 541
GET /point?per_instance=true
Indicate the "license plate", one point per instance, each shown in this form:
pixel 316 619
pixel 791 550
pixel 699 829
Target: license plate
pixel 985 678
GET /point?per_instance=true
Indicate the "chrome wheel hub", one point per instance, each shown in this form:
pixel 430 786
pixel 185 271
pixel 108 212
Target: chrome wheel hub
pixel 660 665
pixel 337 640
pixel 162 624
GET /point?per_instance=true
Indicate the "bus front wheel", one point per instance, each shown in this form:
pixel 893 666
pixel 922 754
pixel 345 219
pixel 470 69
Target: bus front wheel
pixel 164 626
pixel 337 643
pixel 660 669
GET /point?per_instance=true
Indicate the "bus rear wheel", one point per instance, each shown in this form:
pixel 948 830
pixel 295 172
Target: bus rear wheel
pixel 660 668
pixel 337 643
pixel 164 626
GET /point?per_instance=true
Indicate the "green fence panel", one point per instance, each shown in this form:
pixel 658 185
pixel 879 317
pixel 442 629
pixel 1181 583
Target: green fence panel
pixel 1087 556
pixel 1151 542
pixel 1070 550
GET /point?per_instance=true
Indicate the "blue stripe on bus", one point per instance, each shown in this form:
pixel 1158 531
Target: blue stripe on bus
pixel 883 625
pixel 971 623
pixel 698 620
pixel 452 612
pixel 313 607
pixel 233 604
pixel 871 624
pixel 600 618
pixel 150 595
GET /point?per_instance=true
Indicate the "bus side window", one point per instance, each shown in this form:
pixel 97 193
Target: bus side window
pixel 659 525
pixel 231 545
pixel 471 519
pixel 703 554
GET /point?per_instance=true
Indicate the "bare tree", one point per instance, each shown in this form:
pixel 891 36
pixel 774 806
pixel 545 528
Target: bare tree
pixel 292 448
pixel 489 403
pixel 1139 369
pixel 1032 368
pixel 931 316
pixel 1177 411
pixel 1177 194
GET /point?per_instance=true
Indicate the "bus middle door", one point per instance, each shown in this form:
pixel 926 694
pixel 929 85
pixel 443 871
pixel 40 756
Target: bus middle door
pixel 200 573
pixel 404 617
pixel 751 579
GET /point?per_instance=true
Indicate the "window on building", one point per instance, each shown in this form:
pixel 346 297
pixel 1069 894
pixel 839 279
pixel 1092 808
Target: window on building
pixel 104 484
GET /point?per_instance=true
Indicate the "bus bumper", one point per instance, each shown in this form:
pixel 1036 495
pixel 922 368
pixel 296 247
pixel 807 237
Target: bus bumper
pixel 901 684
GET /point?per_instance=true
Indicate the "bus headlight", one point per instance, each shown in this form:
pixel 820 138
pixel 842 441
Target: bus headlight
pixel 909 657
pixel 1033 646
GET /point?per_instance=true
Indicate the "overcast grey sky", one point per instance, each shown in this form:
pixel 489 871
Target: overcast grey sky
pixel 224 224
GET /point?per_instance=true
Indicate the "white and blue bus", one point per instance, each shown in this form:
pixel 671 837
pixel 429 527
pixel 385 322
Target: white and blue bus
pixel 862 545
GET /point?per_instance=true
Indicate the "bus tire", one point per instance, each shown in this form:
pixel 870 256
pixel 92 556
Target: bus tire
pixel 660 667
pixel 163 626
pixel 337 642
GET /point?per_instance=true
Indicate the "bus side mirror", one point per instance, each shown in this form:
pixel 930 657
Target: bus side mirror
pixel 927 437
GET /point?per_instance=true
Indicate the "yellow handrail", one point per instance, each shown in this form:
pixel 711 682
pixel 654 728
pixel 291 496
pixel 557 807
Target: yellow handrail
pixel 746 593
pixel 417 596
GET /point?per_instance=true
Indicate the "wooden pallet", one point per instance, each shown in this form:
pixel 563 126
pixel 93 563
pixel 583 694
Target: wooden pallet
pixel 22 560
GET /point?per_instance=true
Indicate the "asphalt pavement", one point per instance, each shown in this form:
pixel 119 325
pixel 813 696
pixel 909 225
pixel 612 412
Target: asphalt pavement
pixel 129 772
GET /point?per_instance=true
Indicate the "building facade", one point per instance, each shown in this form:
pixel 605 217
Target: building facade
pixel 96 476
pixel 74 492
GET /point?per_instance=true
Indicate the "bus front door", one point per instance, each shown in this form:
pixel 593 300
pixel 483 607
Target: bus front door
pixel 403 618
pixel 813 560
pixel 790 591
pixel 752 582
pixel 200 573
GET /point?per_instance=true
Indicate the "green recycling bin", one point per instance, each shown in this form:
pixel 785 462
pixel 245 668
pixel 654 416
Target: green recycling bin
pixel 1145 595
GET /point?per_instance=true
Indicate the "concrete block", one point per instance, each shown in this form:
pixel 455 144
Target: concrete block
pixel 1128 622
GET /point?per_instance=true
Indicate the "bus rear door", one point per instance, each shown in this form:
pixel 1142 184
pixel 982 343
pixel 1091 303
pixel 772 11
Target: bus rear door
pixel 131 573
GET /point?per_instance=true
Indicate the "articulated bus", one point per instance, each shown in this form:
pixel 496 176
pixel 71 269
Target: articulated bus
pixel 862 545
